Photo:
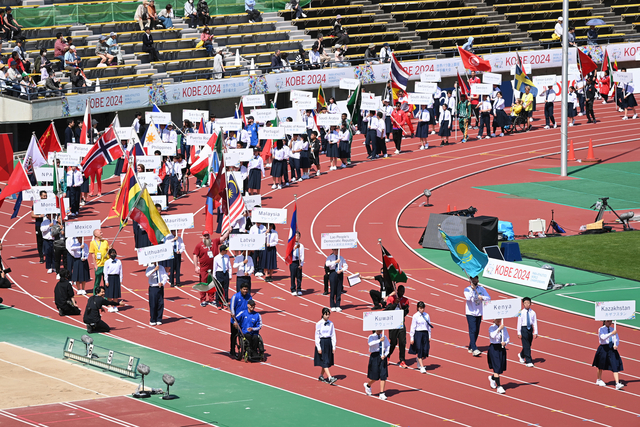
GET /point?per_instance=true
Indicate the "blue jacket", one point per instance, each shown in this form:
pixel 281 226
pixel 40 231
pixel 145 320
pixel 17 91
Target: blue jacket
pixel 250 320
pixel 238 305
pixel 253 133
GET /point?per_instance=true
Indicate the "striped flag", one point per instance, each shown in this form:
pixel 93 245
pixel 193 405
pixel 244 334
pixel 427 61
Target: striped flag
pixel 120 207
pixel 236 203
pixel 144 212
pixel 293 229
pixel 103 152
pixel 321 100
pixel 399 77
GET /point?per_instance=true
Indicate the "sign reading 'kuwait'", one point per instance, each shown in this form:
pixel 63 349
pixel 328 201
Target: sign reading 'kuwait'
pixel 382 320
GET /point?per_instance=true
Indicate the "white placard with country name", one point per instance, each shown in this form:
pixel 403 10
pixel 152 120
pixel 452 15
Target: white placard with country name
pixel 80 150
pixel 253 100
pixel 149 162
pixel 271 133
pixel 66 159
pixel 339 240
pixel 233 156
pixel 622 77
pixel 157 253
pixel 297 94
pixel 492 78
pixel 420 98
pixel 269 216
pixel 430 76
pixel 150 179
pixel 517 273
pixel 160 200
pixel 81 228
pixel 48 206
pixel 349 84
pixel 263 115
pixel 247 242
pixel 230 124
pixel 166 149
pixel 157 118
pixel 501 309
pixel 305 104
pixel 252 201
pixel 329 119
pixel 122 133
pixel 616 310
pixel 481 89
pixel 198 138
pixel 178 221
pixel 294 128
pixel 46 174
pixel 34 192
pixel 382 320
pixel 370 102
pixel 547 80
pixel 194 116
pixel 430 88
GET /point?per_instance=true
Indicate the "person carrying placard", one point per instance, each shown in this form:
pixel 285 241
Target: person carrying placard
pixel 377 369
pixel 527 330
pixel 607 357
pixel 336 265
pixel 158 278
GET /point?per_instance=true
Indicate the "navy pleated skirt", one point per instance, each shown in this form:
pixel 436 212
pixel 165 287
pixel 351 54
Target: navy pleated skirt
pixel 607 359
pixel 324 360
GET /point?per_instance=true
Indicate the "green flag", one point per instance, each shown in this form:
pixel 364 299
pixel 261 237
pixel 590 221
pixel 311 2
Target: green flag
pixel 275 122
pixel 353 105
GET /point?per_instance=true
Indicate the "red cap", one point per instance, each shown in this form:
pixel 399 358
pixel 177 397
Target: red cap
pixel 206 233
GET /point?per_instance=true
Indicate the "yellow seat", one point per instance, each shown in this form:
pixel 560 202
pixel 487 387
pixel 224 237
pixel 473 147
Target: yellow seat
pixel 460 28
pixel 550 30
pixel 584 37
pixel 433 11
pixel 312 9
pixel 547 12
pixel 465 37
pixel 450 18
pixel 509 43
pixel 360 15
pixel 549 21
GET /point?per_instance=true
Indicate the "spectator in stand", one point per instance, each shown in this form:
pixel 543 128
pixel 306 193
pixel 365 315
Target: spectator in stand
pixel 342 38
pixel 218 65
pixel 468 46
pixel 22 55
pixel 557 30
pixel 147 45
pixel 592 36
pixel 102 51
pixel 320 48
pixel 166 17
pixel 297 9
pixel 604 86
pixel 64 296
pixel 153 15
pixel 572 37
pixel 206 38
pixel 71 60
pixel 385 53
pixel 114 48
pixel 286 65
pixel 370 56
pixel 249 7
pixel 59 49
pixel 190 14
pixel 41 63
pixel 3 77
pixel 301 60
pixel 315 60
pixel 142 15
pixel 27 87
pixel 276 62
pixel 203 12
pixel 78 81
pixel 13 78
pixel 339 57
pixel 11 27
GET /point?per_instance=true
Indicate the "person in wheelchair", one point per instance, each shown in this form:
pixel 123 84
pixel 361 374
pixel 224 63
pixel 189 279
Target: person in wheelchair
pixel 516 110
pixel 251 323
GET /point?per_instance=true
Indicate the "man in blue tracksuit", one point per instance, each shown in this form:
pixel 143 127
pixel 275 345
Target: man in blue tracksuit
pixel 252 129
pixel 251 323
pixel 238 305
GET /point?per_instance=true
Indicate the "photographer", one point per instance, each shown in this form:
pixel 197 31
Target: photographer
pixel 92 317
pixel 64 296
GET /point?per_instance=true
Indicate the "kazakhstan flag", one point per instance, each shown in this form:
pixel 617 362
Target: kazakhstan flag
pixel 465 254
pixel 521 80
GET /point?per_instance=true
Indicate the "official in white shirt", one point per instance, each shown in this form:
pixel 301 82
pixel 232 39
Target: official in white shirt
pixel 211 126
pixel 475 295
pixel 381 146
pixel 295 268
pixel 223 272
pixel 420 334
pixel 527 330
pixel 332 107
pixel 336 265
pixel 269 261
pixel 79 253
pixel 549 99
pixel 484 109
pixel 607 357
pixel 325 340
pixel 74 184
pixel 497 355
pixel 371 139
pixel 257 256
pixel 113 278
pixel 47 240
pixel 158 278
pixel 377 369
pixel 294 159
pixel 244 265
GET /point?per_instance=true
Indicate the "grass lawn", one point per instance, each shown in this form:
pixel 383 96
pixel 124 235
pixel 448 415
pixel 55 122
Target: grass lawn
pixel 614 253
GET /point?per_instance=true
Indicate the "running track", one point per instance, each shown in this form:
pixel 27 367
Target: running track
pixel 368 198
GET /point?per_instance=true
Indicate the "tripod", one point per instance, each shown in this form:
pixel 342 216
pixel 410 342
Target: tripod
pixel 602 206
pixel 553 225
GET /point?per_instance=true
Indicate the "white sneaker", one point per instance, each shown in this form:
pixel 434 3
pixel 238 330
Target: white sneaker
pixel 343 166
pixel 635 116
pixel 433 132
pixel 110 309
pixel 493 135
pixel 502 134
pixel 367 389
pixel 570 124
pixel 115 310
pixel 422 147
pixel 600 383
pixel 299 293
pixel 152 323
pixel 318 173
pixel 274 186
pixel 385 156
pixel 477 353
pixel 333 309
pixel 49 271
pixel 531 120
pixel 546 127
pixel 158 323
pixel 492 383
pixel 82 292
pixel 396 152
pixel 604 102
pixel 619 386
pixel 529 365
pixel 625 118
pixel 279 187
pixel 57 277
pixel 555 125
pixel 520 358
pixel 382 396
pixel 620 110
pixel 258 274
pixel 293 180
pixel 338 309
pixel 580 114
pixel 500 390
pixel 423 370
pixel 487 137
pixel 294 293
pixel 304 15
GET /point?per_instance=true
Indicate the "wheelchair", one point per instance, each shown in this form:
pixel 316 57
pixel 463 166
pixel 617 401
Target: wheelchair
pixel 518 124
pixel 245 353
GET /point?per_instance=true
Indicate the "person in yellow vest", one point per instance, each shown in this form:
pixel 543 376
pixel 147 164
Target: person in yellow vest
pixel 99 250
pixel 527 104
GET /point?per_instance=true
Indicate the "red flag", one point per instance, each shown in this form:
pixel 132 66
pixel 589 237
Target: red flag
pixel 86 125
pixel 103 152
pixel 63 210
pixel 18 181
pixel 201 128
pixel 266 151
pixel 464 90
pixel 473 62
pixel 291 242
pixel 585 63
pixel 49 141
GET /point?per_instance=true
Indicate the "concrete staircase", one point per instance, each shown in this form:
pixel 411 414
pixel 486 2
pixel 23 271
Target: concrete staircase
pixel 610 17
pixel 496 18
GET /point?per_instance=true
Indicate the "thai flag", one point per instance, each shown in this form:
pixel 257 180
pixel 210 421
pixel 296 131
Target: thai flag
pixel 239 114
pixel 399 77
pixel 293 229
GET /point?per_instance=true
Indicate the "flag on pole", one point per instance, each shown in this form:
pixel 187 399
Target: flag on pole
pixel 18 181
pixel 399 78
pixel 462 86
pixel 585 63
pixel 151 136
pixel 201 126
pixel 391 266
pixel 473 62
pixel 353 105
pixel 321 100
pixel 49 141
pixel 120 207
pixel 33 158
pixel 240 113
pixel 57 192
pixel 293 228
pixel 200 165
pixel 86 125
pixel 521 80
pixel 236 204
pixel 156 109
pixel 520 63
pixel 216 196
pixel 144 212
pixel 465 254
pixel 103 152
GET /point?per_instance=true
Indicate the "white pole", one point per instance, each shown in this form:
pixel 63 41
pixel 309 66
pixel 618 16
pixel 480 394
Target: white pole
pixel 565 87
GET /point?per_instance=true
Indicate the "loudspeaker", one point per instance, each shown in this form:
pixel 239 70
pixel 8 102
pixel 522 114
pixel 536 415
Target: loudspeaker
pixel 483 231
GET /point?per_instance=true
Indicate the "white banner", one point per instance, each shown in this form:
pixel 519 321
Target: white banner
pixel 382 320
pixel 160 200
pixel 252 201
pixel 234 156
pixel 501 309
pixel 349 84
pixel 339 240
pixel 149 162
pixel 253 101
pixel 81 228
pixel 619 76
pixel 263 115
pixel 43 207
pixel 420 98
pixel 305 104
pixel 492 78
pixel 81 150
pixel 269 216
pixel 151 254
pixel 230 124
pixel 178 221
pixel 123 133
pixel 158 118
pixel 430 76
pixel 247 242
pixel 294 128
pixel 166 149
pixel 271 133
pixel 198 138
pixel 298 94
pixel 370 102
pixel 517 273
pixel 540 81
pixel 46 174
pixel 150 179
pixel 194 116
pixel 481 89
pixel 34 192
pixel 426 87
pixel 616 310
pixel 329 119
pixel 65 159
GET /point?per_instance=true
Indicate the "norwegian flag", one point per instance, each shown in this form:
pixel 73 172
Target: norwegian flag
pixel 236 204
pixel 106 150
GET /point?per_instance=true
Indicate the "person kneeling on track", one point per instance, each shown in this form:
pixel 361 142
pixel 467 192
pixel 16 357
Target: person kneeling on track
pixel 64 295
pixel 251 323
pixel 92 317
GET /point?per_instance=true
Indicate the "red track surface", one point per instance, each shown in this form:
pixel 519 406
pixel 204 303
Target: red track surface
pixel 367 198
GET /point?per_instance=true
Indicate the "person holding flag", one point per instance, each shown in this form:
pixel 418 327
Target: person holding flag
pixel 295 254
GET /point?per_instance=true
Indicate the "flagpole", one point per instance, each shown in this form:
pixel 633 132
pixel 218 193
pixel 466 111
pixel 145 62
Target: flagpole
pixel 565 87
pixel 58 193
pixel 129 214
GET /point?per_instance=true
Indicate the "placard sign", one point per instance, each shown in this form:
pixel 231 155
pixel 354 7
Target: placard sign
pixel 252 201
pixel 150 180
pixel 269 216
pixel 48 206
pixel 151 254
pixel 294 128
pixel 517 273
pixel 81 150
pixel 81 228
pixel 271 133
pixel 305 104
pixel 481 89
pixel 178 221
pixel 46 174
pixel 616 310
pixel 234 156
pixel 149 162
pixel 492 78
pixel 165 149
pixel 34 192
pixel 430 76
pixel 160 200
pixel 198 138
pixel 369 102
pixel 625 78
pixel 540 81
pixel 349 84
pixel 247 242
pixel 501 309
pixel 297 94
pixel 122 133
pixel 157 118
pixel 263 115
pixel 382 320
pixel 230 124
pixel 420 98
pixel 339 240
pixel 254 100
pixel 329 119
pixel 426 87
pixel 66 159
pixel 194 116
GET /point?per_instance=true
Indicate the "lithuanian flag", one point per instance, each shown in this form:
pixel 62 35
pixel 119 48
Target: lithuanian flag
pixel 144 212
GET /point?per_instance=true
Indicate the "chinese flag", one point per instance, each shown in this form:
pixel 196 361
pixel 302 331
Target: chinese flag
pixel 49 142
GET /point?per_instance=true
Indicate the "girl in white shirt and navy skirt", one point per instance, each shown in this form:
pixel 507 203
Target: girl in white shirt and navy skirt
pixel 445 125
pixel 305 163
pixel 80 272
pixel 270 255
pixel 572 103
pixel 278 165
pixel 377 369
pixel 325 340
pixel 497 355
pixel 420 336
pixel 256 167
pixel 333 149
pixel 113 275
pixel 607 357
